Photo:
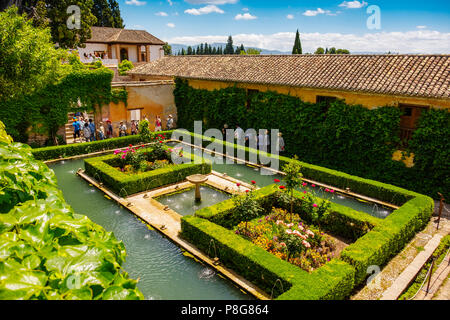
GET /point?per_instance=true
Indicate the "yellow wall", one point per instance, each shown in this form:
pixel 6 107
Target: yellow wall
pixel 152 99
pixel 309 95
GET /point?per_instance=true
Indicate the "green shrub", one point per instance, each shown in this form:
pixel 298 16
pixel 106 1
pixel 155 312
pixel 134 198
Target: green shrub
pixel 125 66
pixel 332 281
pixel 56 152
pixel 101 169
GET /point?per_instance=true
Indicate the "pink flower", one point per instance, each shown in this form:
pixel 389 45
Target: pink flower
pixel 301 227
pixel 310 233
pixel 290 225
pixel 304 191
pixel 326 189
pixel 304 184
pixel 123 156
pixel 282 244
pixel 289 231
pixel 315 205
pixel 116 151
pixel 306 244
pixel 331 190
pixel 313 185
pixel 279 222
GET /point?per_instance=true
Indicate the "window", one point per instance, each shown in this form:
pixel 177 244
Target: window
pixel 327 100
pixel 409 120
pixel 135 114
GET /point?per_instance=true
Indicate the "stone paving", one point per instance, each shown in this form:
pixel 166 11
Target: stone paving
pixel 399 266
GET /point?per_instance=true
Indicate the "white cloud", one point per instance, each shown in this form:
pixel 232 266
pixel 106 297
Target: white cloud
pixel 170 25
pixel 353 4
pixel 205 10
pixel 290 16
pixel 170 2
pixel 135 3
pixel 421 27
pixel 245 16
pixel 313 13
pixel 245 9
pixel 161 14
pixel 211 1
pixel 416 41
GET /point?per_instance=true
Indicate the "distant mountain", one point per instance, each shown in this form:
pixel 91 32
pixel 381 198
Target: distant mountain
pixel 178 47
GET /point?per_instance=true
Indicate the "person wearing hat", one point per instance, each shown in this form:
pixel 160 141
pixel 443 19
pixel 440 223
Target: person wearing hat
pixel 101 131
pixel 122 129
pixel 169 124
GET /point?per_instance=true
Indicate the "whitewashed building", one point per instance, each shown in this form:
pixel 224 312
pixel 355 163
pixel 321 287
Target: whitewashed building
pixel 113 45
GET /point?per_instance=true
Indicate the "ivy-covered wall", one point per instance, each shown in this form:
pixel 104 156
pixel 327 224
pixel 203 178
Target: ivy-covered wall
pixel 46 110
pixel 349 138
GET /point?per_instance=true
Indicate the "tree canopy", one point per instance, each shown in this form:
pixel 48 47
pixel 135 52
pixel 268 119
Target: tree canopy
pixel 297 49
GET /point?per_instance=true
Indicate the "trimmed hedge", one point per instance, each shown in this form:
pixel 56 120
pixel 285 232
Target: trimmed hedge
pixel 341 220
pixel 378 240
pixel 333 281
pixel 56 152
pixel 371 188
pixel 100 169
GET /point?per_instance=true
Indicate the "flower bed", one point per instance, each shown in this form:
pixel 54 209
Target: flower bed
pixel 290 239
pixel 137 175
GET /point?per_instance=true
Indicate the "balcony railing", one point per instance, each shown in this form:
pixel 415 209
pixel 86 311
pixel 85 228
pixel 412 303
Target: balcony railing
pixel 405 135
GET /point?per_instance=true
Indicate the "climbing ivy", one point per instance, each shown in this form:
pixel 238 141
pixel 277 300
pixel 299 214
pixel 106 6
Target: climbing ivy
pixel 349 138
pixel 46 110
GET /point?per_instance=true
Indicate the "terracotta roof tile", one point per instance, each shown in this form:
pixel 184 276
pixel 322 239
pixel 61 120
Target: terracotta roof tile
pixel 117 35
pixel 408 75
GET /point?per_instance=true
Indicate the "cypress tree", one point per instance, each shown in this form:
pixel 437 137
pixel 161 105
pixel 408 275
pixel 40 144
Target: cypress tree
pixel 189 50
pixel 229 49
pixel 297 49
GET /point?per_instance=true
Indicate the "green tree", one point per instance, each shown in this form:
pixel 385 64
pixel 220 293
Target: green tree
pixel 297 49
pixel 167 49
pixel 189 50
pixel 320 50
pixel 125 66
pixel 252 51
pixel 229 48
pixel 28 58
pixel 107 13
pixel 293 179
pixel 56 13
pixel 342 51
pixel 332 50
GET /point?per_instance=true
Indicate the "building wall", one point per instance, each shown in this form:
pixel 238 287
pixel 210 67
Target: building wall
pixel 151 98
pixel 91 47
pixel 156 53
pixel 367 100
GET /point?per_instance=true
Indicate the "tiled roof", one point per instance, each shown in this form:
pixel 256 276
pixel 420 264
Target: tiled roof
pixel 407 75
pixel 116 35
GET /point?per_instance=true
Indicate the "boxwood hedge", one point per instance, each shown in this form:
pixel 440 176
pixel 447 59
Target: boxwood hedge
pixel 100 169
pixel 69 150
pixel 377 240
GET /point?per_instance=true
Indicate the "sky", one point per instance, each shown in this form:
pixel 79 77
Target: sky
pixel 398 26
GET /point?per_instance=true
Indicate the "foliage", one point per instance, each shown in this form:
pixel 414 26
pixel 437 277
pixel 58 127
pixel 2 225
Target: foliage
pixel 348 138
pixel 292 178
pixel 297 48
pixel 125 66
pixel 246 207
pixel 102 169
pixel 332 281
pixel 107 13
pixel 64 151
pixel 144 130
pixel 47 250
pixel 167 49
pixel 290 239
pixel 28 58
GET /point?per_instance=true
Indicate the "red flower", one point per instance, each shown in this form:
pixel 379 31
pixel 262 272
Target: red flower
pixel 282 187
pixel 276 180
pixel 130 145
pixel 238 184
pixel 253 182
pixel 247 191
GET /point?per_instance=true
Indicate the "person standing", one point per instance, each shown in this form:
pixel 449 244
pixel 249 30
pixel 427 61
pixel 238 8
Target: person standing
pixel 76 130
pixel 169 124
pixel 101 131
pixel 158 124
pixel 280 144
pixel 122 129
pixel 224 132
pixel 92 128
pixel 109 129
pixel 133 128
pixel 86 132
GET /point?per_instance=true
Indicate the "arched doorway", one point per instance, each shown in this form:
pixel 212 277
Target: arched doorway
pixel 123 54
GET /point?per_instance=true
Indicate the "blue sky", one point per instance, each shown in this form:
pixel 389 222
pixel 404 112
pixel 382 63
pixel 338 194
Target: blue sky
pixel 405 26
